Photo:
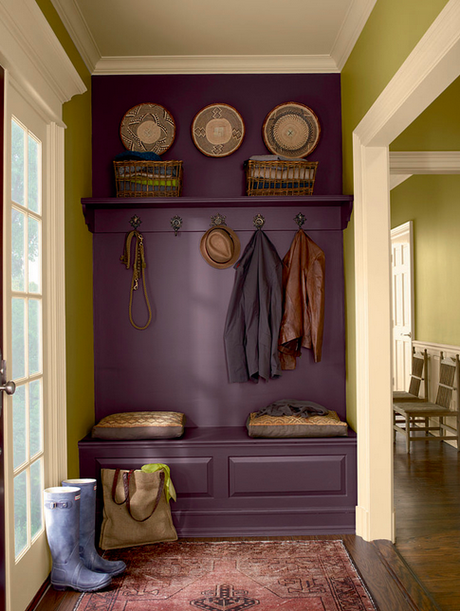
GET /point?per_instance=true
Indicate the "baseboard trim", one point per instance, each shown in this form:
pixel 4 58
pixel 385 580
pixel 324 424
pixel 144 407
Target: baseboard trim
pixel 260 523
pixel 39 595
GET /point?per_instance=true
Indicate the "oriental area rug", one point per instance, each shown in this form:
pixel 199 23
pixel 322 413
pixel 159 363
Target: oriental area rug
pixel 313 575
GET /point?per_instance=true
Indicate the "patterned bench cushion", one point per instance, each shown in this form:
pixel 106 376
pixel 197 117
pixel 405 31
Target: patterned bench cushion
pixel 140 425
pixel 329 425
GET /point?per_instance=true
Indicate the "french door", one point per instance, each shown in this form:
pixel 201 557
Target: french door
pixel 25 300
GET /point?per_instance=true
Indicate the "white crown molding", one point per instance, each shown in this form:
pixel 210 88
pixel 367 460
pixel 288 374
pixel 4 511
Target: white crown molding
pixel 219 64
pixel 432 66
pixel 77 27
pixel 351 29
pixel 425 162
pixel 404 164
pixel 33 55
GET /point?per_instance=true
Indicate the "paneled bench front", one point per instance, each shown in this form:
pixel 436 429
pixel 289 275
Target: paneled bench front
pixel 229 484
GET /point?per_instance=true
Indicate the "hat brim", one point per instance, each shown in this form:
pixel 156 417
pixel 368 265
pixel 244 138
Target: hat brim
pixel 235 242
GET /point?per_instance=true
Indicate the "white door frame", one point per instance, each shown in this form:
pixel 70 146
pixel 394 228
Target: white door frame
pixel 431 67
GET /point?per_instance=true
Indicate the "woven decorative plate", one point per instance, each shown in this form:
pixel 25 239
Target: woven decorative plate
pixel 147 128
pixel 218 130
pixel 291 130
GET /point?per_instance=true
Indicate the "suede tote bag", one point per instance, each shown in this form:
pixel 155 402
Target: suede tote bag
pixel 136 511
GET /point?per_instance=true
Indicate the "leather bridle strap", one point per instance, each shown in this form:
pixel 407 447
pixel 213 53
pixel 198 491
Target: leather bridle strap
pixel 139 266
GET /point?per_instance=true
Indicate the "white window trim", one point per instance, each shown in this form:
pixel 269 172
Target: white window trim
pixel 54 266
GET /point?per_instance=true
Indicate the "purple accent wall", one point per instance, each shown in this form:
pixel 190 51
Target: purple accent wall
pixel 253 96
pixel 178 363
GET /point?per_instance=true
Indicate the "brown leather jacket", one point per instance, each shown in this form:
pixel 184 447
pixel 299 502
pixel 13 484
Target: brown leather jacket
pixel 303 300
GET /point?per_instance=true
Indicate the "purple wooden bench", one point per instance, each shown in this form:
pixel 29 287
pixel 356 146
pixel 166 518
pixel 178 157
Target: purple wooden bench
pixel 229 484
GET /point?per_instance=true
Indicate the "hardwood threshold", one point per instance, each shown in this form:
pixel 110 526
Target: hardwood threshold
pixel 408 582
pixel 389 581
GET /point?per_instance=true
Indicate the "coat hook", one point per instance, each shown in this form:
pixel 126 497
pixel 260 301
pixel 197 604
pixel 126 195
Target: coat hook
pixel 300 219
pixel 218 219
pixel 259 221
pixel 176 223
pixel 135 222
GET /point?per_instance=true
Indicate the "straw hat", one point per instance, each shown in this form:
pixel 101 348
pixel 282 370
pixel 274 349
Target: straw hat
pixel 220 247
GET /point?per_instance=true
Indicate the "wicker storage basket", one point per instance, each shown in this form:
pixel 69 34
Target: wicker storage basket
pixel 280 177
pixel 148 178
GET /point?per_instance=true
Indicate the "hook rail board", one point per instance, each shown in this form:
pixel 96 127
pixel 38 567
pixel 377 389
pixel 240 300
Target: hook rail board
pixel 323 212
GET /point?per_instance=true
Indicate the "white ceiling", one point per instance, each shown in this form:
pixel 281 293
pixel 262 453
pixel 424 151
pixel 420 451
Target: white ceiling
pixel 214 36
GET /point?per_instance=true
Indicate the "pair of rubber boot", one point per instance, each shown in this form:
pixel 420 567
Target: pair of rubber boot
pixel 70 518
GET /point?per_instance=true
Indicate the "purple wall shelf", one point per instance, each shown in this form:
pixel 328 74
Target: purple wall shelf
pixel 343 203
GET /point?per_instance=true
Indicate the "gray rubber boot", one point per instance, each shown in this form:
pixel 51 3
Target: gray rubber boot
pixel 62 520
pixel 88 553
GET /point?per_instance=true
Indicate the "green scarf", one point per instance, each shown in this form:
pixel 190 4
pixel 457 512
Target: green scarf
pixel 169 486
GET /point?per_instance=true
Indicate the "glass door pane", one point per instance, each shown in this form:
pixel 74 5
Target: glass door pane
pixel 32 151
pixel 26 332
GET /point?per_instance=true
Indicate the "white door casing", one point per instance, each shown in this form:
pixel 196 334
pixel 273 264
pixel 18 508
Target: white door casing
pixel 402 304
pixel 430 68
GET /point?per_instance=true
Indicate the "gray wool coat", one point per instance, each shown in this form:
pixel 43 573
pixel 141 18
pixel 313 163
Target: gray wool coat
pixel 254 313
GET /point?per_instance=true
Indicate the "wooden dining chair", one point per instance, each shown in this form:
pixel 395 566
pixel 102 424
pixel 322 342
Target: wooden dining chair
pixel 415 412
pixel 418 374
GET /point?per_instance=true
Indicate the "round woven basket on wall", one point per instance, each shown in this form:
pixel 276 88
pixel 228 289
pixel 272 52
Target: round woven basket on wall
pixel 291 130
pixel 218 130
pixel 147 128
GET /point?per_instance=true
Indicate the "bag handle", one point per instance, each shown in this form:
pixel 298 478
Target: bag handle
pixel 114 488
pixel 126 483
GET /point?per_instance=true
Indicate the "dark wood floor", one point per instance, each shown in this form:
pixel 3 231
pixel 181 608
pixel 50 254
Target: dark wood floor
pixel 427 503
pixel 421 572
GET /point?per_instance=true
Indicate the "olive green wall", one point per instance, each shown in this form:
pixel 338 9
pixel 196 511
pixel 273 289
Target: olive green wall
pixel 437 128
pixel 79 279
pixel 432 203
pixel 78 252
pixel 391 32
